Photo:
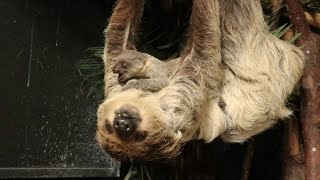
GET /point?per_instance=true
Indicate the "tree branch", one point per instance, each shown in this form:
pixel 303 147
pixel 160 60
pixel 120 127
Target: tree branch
pixel 310 91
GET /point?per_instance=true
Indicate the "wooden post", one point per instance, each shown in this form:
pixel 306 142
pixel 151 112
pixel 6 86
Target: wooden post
pixel 293 156
pixel 294 151
pixel 310 91
pixel 293 166
pixel 247 162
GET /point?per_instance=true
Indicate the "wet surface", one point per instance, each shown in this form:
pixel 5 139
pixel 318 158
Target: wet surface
pixel 45 121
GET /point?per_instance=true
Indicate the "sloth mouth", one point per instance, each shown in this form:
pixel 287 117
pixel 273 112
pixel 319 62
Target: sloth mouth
pixel 122 77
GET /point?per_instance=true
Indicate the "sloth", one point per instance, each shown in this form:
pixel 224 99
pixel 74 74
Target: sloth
pixel 166 119
pixel 142 71
pixel 232 81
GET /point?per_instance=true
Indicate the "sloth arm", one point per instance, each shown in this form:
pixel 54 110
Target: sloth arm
pixel 152 85
pixel 120 35
pixel 156 78
pixel 199 77
pixel 201 60
pixel 157 75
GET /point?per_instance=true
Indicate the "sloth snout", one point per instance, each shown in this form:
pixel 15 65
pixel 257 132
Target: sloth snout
pixel 124 127
pixel 126 121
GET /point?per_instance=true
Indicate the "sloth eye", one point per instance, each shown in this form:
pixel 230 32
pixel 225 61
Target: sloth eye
pixel 124 64
pixel 140 136
pixel 108 127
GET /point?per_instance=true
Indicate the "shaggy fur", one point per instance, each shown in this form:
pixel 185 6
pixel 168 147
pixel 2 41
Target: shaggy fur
pixel 120 35
pixel 261 71
pixel 237 98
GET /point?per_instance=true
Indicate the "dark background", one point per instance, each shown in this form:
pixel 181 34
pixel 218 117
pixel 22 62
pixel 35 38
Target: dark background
pixel 50 123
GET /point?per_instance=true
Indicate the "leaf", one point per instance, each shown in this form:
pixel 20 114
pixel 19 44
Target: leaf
pixel 278 30
pixel 281 33
pixel 294 38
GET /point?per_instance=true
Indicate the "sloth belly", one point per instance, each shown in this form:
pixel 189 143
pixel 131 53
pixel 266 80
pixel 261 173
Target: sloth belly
pixel 250 107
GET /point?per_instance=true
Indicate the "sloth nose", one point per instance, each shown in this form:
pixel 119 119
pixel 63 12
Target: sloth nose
pixel 126 121
pixel 124 127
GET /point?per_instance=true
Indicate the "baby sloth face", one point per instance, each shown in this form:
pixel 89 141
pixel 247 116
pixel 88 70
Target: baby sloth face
pixel 129 64
pixel 131 126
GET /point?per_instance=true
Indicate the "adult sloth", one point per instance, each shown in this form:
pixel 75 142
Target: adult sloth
pixel 237 98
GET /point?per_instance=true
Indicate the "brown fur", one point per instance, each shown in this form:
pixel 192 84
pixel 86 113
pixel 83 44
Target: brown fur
pixel 159 141
pixel 237 98
pixel 121 34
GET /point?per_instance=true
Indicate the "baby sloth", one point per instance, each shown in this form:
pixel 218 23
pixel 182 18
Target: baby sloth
pixel 142 71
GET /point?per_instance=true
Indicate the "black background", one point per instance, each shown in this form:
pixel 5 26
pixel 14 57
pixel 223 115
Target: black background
pixel 49 127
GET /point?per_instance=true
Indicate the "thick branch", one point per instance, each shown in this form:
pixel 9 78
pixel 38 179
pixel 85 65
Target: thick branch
pixel 310 94
pixel 294 151
pixel 313 19
pixel 247 162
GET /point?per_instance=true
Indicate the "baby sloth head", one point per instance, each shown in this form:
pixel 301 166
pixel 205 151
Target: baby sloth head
pixel 130 64
pixel 131 126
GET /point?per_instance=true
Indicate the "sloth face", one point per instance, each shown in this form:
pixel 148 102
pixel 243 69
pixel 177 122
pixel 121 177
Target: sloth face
pixel 131 125
pixel 129 64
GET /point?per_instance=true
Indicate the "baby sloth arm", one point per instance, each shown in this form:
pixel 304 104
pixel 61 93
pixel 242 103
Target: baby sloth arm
pixel 142 71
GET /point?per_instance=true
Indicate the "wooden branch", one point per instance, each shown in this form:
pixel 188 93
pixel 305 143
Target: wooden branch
pixel 294 150
pixel 293 156
pixel 246 165
pixel 313 19
pixel 310 92
pixel 292 170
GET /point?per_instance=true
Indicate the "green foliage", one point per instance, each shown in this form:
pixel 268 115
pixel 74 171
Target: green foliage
pixel 280 31
pixel 311 5
pixel 91 69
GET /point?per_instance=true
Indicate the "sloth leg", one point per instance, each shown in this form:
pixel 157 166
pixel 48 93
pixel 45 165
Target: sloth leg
pixel 152 85
pixel 261 70
pixel 120 35
pixel 199 77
